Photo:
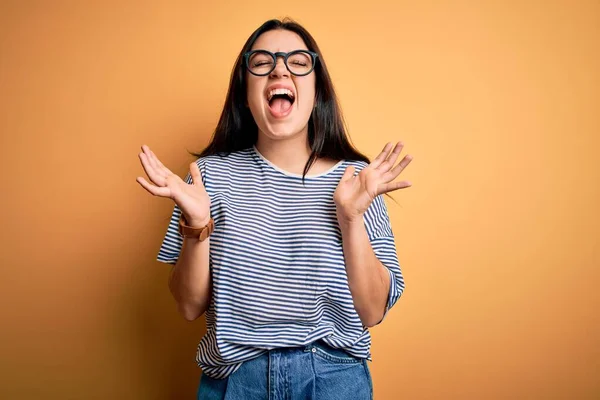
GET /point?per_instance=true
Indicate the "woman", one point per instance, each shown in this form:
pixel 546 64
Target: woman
pixel 287 245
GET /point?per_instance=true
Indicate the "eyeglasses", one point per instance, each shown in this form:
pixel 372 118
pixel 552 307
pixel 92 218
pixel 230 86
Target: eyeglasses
pixel 263 62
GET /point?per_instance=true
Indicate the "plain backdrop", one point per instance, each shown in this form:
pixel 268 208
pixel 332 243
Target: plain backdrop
pixel 497 101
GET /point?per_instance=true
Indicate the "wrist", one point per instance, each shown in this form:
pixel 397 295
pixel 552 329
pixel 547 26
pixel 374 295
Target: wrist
pixel 196 229
pixel 196 222
pixel 350 222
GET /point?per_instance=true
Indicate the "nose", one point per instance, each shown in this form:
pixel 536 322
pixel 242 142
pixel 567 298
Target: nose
pixel 280 69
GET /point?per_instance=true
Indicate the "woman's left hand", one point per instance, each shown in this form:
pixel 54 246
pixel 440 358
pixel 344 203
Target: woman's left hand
pixel 354 194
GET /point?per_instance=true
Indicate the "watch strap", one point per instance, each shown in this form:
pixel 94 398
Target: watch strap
pixel 191 232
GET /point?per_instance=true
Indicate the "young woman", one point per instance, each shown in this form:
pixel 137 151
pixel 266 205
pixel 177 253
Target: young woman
pixel 280 233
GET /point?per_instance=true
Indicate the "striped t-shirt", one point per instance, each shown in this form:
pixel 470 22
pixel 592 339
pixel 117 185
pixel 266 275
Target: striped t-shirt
pixel 276 261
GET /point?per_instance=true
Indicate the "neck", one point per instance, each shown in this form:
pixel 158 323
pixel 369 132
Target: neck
pixel 290 154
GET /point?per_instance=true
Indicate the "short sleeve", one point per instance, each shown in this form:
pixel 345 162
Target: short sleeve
pixel 379 230
pixel 173 242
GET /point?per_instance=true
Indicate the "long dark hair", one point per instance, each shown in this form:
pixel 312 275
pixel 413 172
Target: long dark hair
pixel 237 129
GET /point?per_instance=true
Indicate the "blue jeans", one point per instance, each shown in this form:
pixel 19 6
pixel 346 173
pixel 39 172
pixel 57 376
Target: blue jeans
pixel 316 372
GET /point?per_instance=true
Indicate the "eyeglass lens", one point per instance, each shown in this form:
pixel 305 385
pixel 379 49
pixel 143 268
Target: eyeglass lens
pixel 298 63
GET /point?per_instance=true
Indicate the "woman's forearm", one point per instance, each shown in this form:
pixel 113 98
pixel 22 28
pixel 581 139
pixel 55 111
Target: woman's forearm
pixel 368 278
pixel 190 281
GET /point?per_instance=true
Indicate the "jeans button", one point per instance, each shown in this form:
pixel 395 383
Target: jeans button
pixel 314 350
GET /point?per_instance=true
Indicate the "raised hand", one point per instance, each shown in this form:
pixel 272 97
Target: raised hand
pixel 192 199
pixel 354 194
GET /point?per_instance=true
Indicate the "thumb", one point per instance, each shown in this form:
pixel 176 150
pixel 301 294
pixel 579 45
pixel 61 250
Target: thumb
pixel 195 174
pixel 348 173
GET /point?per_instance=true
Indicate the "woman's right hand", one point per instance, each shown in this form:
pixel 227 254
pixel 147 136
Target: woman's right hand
pixel 192 199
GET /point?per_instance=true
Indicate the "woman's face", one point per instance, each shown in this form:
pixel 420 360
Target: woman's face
pixel 275 115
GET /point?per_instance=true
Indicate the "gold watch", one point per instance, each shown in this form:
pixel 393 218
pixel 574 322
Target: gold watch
pixel 190 232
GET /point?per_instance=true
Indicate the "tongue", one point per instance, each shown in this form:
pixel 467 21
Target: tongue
pixel 281 105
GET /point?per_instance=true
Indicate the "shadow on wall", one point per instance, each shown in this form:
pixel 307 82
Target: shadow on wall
pixel 165 342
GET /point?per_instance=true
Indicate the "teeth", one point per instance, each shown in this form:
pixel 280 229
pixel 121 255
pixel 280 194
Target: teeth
pixel 279 91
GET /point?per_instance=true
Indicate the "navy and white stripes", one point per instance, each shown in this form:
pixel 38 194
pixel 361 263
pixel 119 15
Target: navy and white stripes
pixel 276 261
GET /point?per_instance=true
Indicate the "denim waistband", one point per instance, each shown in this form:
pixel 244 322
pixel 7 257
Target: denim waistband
pixel 309 347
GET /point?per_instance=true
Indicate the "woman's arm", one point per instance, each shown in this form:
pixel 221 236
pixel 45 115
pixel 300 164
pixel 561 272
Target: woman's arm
pixel 190 278
pixel 368 278
pixel 190 281
pixel 371 285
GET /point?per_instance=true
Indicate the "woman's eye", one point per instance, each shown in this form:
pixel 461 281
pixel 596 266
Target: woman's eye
pixel 300 63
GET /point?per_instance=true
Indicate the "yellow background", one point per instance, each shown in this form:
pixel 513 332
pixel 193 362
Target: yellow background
pixel 498 238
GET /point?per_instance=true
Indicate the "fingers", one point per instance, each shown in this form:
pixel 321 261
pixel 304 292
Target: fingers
pixel 153 168
pixel 348 173
pixel 158 163
pixel 151 157
pixel 394 172
pixel 382 156
pixel 155 190
pixel 387 164
pixel 390 187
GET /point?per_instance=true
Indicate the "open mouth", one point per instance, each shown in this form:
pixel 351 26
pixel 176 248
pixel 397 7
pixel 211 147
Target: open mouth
pixel 280 101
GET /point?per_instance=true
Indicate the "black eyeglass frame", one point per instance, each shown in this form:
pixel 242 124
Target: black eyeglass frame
pixel 314 57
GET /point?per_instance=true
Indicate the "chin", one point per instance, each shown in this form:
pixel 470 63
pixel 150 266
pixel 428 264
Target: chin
pixel 282 133
pixel 283 129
